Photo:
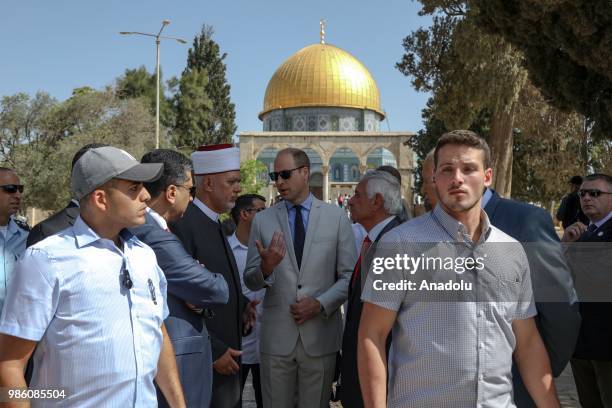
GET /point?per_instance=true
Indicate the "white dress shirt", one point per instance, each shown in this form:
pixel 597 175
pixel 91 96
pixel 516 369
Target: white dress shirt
pixel 98 341
pixel 250 343
pixel 209 213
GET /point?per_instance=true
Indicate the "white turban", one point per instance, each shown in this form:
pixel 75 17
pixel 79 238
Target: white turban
pixel 215 159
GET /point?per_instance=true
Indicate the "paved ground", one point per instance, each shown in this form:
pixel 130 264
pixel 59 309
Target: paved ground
pixel 565 387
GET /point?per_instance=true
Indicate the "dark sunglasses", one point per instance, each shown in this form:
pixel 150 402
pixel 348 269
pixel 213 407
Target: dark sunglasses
pixel 593 193
pixel 12 188
pixel 284 174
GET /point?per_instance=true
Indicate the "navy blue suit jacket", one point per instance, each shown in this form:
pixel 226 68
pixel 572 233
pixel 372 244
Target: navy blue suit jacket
pixel 188 281
pixel 558 318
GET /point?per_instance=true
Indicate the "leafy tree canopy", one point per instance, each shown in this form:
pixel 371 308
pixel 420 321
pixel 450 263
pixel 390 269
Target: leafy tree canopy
pixel 566 46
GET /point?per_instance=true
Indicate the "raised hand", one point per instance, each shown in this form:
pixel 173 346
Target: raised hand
pixel 274 254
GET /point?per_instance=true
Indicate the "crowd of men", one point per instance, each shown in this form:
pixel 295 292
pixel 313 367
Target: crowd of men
pixel 133 295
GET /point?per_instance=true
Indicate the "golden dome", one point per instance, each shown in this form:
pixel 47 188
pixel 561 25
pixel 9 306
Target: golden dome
pixel 322 75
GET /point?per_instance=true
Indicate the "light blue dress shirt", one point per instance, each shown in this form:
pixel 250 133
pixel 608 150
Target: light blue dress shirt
pixel 13 246
pixel 306 205
pixel 98 341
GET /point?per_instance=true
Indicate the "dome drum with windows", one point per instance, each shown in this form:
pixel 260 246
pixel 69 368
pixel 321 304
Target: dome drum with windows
pixel 322 88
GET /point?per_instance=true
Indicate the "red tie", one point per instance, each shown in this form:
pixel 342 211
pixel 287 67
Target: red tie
pixel 357 270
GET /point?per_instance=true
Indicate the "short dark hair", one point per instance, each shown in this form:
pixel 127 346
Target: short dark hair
pixel 467 138
pixel 599 176
pixel 244 202
pixel 176 165
pixel 84 150
pixel 392 171
pixel 300 158
pixel 576 180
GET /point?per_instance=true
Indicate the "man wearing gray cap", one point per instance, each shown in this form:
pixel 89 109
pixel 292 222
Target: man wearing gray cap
pixel 93 299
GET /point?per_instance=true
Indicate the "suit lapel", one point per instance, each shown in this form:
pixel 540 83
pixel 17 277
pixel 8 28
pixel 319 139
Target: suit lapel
pixel 283 220
pixel 311 228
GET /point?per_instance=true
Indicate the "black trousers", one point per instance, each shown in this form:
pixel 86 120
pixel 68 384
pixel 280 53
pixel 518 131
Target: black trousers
pixel 254 368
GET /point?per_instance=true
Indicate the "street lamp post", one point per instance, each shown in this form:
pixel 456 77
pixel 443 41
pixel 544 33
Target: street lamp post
pixel 158 38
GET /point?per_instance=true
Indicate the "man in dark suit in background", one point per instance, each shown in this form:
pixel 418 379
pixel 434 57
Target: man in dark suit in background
pixel 558 318
pixel 377 206
pixel 64 218
pixel 591 262
pixel 191 287
pixel 569 210
pixel 217 172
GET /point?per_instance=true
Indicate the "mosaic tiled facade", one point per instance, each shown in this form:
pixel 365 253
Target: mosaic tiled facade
pixel 321 120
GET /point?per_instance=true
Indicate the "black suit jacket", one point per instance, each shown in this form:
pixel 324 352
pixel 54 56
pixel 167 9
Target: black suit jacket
pixel 591 259
pixel 350 391
pixel 188 281
pixel 204 240
pixel 54 224
pixel 558 321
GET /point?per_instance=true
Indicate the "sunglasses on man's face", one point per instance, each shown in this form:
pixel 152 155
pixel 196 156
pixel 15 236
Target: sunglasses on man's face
pixel 12 188
pixel 593 193
pixel 284 174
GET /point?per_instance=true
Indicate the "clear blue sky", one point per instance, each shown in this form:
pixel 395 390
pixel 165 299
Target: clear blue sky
pixel 56 46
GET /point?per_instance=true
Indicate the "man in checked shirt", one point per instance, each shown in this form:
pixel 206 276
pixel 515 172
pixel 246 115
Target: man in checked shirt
pixel 447 352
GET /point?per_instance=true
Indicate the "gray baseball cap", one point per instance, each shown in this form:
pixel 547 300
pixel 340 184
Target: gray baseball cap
pixel 97 166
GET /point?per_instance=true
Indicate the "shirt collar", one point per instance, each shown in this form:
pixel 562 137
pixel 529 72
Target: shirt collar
pixel 603 220
pixel 84 235
pixel 306 204
pixel 377 229
pixel 11 227
pixel 456 229
pixel 207 211
pixel 234 242
pixel 161 221
pixel 486 197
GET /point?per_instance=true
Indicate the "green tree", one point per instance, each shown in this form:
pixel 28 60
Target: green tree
pixel 218 125
pixel 43 160
pixel 468 72
pixel 194 109
pixel 566 47
pixel 139 83
pixel 253 176
pixel 21 120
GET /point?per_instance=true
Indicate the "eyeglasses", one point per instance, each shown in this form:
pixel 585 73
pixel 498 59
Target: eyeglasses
pixel 12 188
pixel 255 209
pixel 593 193
pixel 191 189
pixel 284 174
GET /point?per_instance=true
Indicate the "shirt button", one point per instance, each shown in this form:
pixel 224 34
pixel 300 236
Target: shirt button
pixel 481 377
pixel 299 286
pixel 480 313
pixel 481 345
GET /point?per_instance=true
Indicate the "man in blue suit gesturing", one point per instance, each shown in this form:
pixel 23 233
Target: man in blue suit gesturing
pixel 191 287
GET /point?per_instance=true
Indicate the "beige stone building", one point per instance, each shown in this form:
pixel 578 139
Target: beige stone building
pixel 325 101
